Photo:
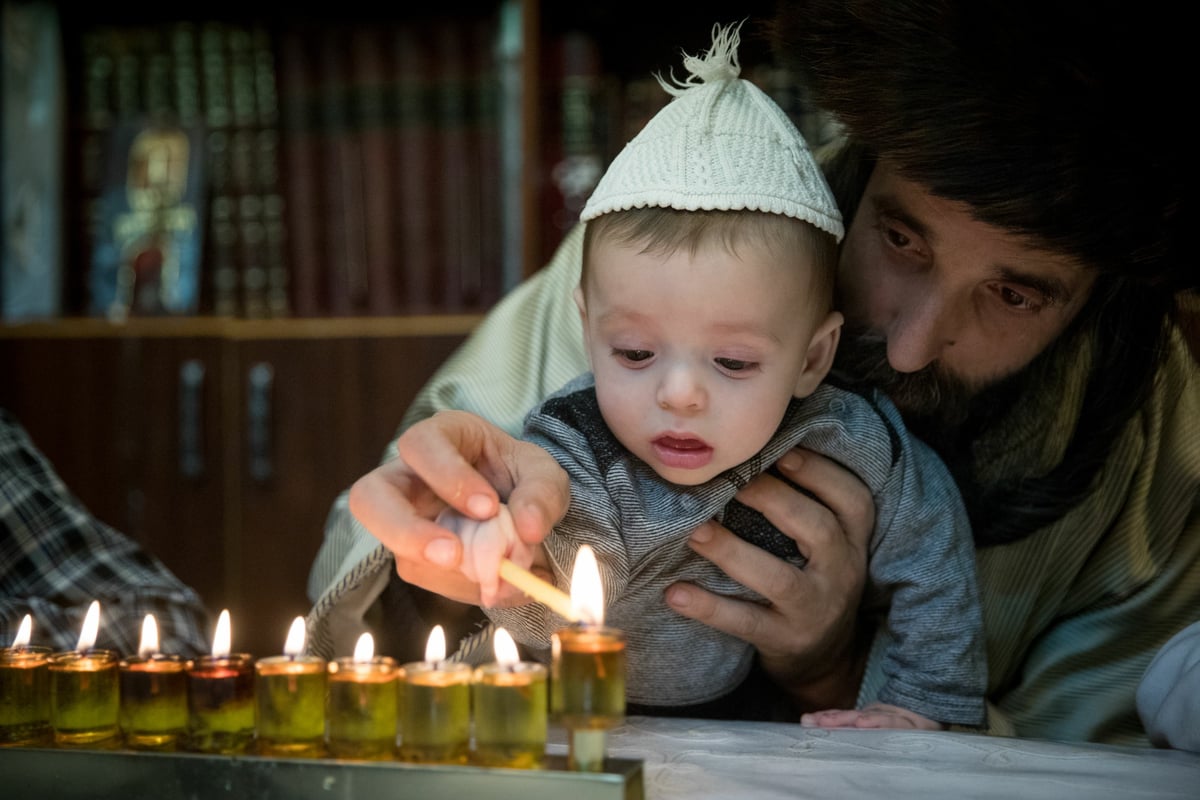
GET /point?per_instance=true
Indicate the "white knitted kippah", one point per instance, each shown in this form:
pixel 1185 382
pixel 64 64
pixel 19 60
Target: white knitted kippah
pixel 721 144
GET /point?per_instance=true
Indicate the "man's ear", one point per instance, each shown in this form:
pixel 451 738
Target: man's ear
pixel 820 354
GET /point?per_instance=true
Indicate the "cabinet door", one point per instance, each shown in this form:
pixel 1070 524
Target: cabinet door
pixel 312 415
pixel 172 431
pixel 133 427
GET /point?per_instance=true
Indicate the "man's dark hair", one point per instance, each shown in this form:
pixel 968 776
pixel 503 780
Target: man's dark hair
pixel 1058 120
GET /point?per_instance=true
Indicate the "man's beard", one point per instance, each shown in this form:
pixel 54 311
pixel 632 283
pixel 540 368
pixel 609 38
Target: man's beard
pixel 936 405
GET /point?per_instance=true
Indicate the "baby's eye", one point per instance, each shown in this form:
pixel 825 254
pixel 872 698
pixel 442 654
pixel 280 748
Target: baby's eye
pixel 633 355
pixel 735 364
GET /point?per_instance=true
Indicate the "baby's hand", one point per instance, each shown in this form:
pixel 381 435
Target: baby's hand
pixel 876 715
pixel 485 543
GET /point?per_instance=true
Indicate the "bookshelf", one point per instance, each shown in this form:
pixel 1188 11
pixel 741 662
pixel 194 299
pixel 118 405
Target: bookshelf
pixel 261 231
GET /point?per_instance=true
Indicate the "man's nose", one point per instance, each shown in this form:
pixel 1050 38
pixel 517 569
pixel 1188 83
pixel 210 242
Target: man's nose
pixel 921 329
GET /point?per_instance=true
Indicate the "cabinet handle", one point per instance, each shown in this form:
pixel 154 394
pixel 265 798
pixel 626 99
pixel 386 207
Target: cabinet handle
pixel 258 419
pixel 191 419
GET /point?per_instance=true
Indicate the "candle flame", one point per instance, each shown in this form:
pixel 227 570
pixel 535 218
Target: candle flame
pixel 91 627
pixel 24 633
pixel 149 643
pixel 587 594
pixel 506 648
pixel 364 649
pixel 223 638
pixel 294 645
pixel 435 648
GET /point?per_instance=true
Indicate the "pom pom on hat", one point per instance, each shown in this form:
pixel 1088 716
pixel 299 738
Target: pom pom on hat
pixel 721 145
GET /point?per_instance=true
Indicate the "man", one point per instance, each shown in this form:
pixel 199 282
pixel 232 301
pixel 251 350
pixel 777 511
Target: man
pixel 1011 278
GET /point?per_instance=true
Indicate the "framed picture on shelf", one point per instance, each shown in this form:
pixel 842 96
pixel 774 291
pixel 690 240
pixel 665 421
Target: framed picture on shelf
pixel 149 239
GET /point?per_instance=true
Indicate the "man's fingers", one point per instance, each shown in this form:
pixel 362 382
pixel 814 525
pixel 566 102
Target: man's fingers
pixel 775 579
pixel 383 501
pixel 838 489
pixel 447 451
pixel 747 621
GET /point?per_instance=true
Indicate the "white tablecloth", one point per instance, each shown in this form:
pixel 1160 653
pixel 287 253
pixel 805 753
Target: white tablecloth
pixel 696 759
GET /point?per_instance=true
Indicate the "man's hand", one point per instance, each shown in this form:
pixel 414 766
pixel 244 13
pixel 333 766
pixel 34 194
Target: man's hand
pixel 459 460
pixel 805 635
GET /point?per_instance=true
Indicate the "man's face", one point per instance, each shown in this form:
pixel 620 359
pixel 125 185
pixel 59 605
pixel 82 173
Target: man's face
pixel 940 305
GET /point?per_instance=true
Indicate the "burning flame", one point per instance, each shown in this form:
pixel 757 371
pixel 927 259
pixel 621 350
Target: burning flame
pixel 149 643
pixel 435 648
pixel 91 627
pixel 587 594
pixel 364 649
pixel 223 638
pixel 506 648
pixel 24 633
pixel 294 645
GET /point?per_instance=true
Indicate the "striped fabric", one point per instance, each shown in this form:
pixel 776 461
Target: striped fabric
pixel 1073 613
pixel 56 558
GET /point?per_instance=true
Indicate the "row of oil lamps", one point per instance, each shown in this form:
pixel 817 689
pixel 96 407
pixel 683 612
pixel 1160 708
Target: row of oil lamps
pixel 362 707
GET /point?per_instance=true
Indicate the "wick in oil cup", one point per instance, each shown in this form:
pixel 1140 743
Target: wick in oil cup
pixel 587 670
pixel 24 691
pixel 289 694
pixel 221 696
pixel 85 700
pixel 435 706
pixel 362 704
pixel 510 706
pixel 154 708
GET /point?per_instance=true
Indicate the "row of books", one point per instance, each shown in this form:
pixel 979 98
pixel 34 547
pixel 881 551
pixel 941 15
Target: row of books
pixel 311 170
pixel 319 167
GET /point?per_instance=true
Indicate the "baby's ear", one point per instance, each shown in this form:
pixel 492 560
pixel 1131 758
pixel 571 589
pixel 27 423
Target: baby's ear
pixel 581 304
pixel 821 350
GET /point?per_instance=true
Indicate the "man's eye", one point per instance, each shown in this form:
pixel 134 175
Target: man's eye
pixel 1024 302
pixel 897 238
pixel 632 355
pixel 734 364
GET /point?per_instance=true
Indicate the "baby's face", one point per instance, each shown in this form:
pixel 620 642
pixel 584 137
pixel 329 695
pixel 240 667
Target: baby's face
pixel 696 356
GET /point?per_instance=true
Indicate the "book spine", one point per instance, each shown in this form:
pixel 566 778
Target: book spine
pixel 266 173
pixel 457 161
pixel 416 151
pixel 374 126
pixel 32 97
pixel 345 243
pixel 575 146
pixel 510 144
pixel 243 141
pixel 224 171
pixel 483 277
pixel 299 149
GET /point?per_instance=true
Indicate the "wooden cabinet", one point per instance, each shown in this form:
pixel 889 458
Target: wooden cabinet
pixel 221 445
